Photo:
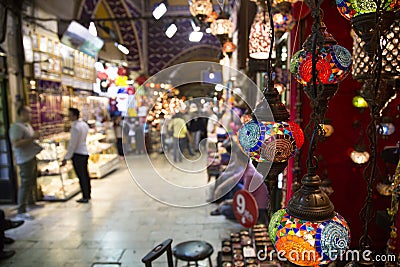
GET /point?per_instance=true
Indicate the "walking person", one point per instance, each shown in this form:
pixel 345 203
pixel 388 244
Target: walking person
pixel 118 124
pixel 25 147
pixel 178 127
pixel 78 152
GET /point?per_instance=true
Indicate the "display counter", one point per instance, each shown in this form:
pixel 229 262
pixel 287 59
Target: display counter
pixel 58 182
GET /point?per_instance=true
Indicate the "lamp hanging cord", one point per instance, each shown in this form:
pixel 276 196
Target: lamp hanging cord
pixel 271 23
pixel 314 117
pixel 366 213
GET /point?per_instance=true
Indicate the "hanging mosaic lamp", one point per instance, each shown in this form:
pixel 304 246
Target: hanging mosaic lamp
pixel 351 8
pixel 362 14
pixel 277 2
pixel 222 27
pixel 362 67
pixel 333 64
pixel 271 138
pixel 359 156
pixel 201 9
pixel 283 19
pixel 228 48
pixel 268 141
pixel 386 127
pixel 309 232
pixel 283 22
pixel 359 102
pixel 260 35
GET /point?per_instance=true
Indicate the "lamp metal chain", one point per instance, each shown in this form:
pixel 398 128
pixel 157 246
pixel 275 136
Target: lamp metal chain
pixel 367 213
pixel 313 129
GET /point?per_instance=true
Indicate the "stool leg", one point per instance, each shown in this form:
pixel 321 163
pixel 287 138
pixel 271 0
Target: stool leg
pixel 176 262
pixel 209 261
pixel 197 265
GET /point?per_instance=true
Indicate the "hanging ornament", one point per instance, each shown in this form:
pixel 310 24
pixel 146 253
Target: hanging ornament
pixel 201 9
pixel 333 62
pixel 260 35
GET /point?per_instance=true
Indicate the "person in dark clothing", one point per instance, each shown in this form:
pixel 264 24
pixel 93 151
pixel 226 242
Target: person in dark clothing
pixel 6 224
pixel 77 151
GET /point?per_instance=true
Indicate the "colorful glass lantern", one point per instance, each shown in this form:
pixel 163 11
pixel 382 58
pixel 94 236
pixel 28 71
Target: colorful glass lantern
pixel 308 243
pixel 328 129
pixel 333 62
pixel 260 35
pixel 386 127
pixel 359 102
pixel 228 48
pixel 277 2
pixel 222 26
pixel 270 141
pixel 359 156
pixel 363 16
pixel 283 22
pixel 352 8
pixel 201 9
pixel 362 67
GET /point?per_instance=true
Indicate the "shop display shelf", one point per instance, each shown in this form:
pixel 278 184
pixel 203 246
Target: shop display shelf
pixel 103 165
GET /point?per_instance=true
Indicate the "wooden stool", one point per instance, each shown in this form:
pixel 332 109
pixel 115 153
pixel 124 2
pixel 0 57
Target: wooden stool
pixel 193 251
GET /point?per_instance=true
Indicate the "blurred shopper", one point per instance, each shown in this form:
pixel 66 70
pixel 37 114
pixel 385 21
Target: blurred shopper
pixel 6 224
pixel 179 131
pixel 140 138
pixel 252 181
pixel 118 124
pixel 194 126
pixel 25 147
pixel 78 152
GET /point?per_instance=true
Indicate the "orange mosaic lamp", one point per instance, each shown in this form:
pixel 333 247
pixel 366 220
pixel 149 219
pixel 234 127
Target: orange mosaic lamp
pixel 308 232
pixel 308 243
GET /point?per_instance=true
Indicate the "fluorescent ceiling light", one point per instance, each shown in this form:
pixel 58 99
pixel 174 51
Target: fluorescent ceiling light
pixel 92 29
pixel 122 48
pixel 219 87
pixel 195 36
pixel 172 29
pixel 159 11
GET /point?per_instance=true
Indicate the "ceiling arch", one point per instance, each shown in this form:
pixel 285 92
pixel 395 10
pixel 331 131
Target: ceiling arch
pixel 129 31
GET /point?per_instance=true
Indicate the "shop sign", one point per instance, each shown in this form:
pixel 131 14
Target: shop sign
pixel 245 208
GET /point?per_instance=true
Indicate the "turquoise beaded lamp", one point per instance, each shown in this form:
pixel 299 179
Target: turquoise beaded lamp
pixel 269 141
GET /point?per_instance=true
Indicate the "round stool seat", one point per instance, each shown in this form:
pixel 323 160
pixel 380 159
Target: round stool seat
pixel 193 250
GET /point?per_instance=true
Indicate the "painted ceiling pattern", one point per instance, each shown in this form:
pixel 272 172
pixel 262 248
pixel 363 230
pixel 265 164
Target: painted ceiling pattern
pixel 163 50
pixel 130 34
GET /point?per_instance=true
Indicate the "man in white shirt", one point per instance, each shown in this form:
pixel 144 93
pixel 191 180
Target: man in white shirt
pixel 78 152
pixel 25 147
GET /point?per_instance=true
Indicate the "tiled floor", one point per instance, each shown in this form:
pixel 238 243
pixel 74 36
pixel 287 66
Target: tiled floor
pixel 121 223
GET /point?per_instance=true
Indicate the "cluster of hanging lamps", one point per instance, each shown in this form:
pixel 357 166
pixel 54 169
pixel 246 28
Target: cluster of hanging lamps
pixel 308 230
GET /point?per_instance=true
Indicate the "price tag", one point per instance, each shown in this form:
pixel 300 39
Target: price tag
pixel 245 208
